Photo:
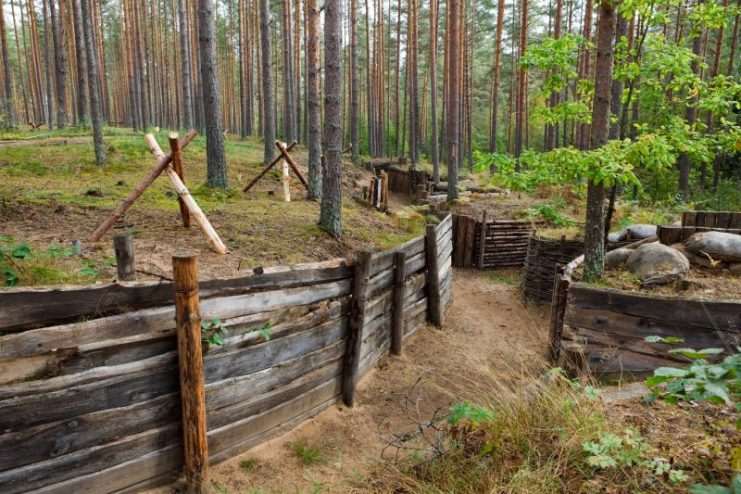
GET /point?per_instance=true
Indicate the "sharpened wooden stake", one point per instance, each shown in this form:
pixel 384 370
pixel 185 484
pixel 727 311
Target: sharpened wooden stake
pixel 275 161
pixel 177 165
pixel 433 278
pixel 287 159
pixel 192 381
pixel 190 203
pixel 286 182
pixel 123 246
pixel 162 164
pixel 397 314
pixel 355 337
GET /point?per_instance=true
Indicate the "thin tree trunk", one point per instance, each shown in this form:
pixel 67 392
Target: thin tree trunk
pixel 314 107
pixel 94 76
pixel 550 132
pixel 215 156
pixel 434 14
pixel 594 245
pixel 354 83
pixel 452 126
pixel 583 129
pixel 82 91
pixel 331 207
pixel 60 63
pixel 187 109
pixel 521 85
pixel 268 123
pixel 8 106
pixel 734 42
pixel 47 66
pixel 495 82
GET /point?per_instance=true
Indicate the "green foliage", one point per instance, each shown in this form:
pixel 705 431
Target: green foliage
pixel 266 332
pixel 550 215
pixel 700 381
pixel 309 454
pixel 212 332
pixel 20 264
pixel 248 464
pixel 733 488
pixel 474 415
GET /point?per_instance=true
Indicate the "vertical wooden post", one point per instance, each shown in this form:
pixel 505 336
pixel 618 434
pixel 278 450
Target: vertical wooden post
pixel 177 163
pixel 192 385
pixel 397 314
pixel 558 309
pixel 482 242
pixel 286 182
pixel 355 337
pixel 123 245
pixel 433 277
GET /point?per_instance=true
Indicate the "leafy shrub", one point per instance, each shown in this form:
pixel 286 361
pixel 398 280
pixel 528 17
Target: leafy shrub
pixel 550 215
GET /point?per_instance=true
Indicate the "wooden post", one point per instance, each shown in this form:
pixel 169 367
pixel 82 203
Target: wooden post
pixel 287 159
pixel 384 188
pixel 355 337
pixel 162 163
pixel 397 314
pixel 177 165
pixel 482 242
pixel 123 245
pixel 190 203
pixel 275 161
pixel 558 310
pixel 286 183
pixel 433 277
pixel 192 382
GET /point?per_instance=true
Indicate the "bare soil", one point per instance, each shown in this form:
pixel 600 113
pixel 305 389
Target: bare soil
pixel 488 333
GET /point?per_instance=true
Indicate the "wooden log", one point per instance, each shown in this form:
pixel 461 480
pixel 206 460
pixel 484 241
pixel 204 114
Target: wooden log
pixel 470 234
pixel 270 165
pixel 384 188
pixel 286 183
pixel 177 165
pixel 722 219
pixel 162 164
pixel 190 203
pixel 669 235
pixel 558 309
pixel 482 240
pixel 192 383
pixel 123 246
pixel 287 159
pixel 735 221
pixel 355 338
pixel 689 218
pixel 433 281
pixel 398 307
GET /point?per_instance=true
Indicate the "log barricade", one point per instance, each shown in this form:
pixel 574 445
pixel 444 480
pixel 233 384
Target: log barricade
pixel 90 398
pixel 505 242
pixel 401 180
pixel 544 256
pixel 700 221
pixel 603 330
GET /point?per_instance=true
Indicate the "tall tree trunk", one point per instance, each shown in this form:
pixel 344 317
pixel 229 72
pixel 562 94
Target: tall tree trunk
pixel 583 128
pixel 495 82
pixel 268 104
pixel 331 208
pixel 594 245
pixel 521 85
pixel 82 91
pixel 354 83
pixel 397 98
pixel 94 76
pixel 551 130
pixel 60 63
pixel 413 81
pixel 314 95
pixel 185 60
pixel 47 66
pixel 215 156
pixel 289 118
pixel 734 42
pixel 434 14
pixel 452 125
pixel 8 106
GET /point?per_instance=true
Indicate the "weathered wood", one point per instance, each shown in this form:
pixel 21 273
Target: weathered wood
pixel 398 306
pixel 735 221
pixel 558 309
pixel 355 337
pixel 123 246
pixel 192 383
pixel 162 164
pixel 669 235
pixel 286 183
pixel 270 165
pixel 288 160
pixel 177 165
pixel 190 203
pixel 382 261
pixel 482 240
pixel 689 218
pixel 433 281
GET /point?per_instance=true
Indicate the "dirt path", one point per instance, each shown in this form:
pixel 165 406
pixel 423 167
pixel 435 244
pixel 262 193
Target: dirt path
pixel 489 337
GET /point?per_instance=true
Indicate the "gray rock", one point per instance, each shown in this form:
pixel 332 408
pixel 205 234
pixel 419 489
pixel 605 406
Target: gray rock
pixel 616 258
pixel 658 264
pixel 718 245
pixel 639 232
pixel 615 236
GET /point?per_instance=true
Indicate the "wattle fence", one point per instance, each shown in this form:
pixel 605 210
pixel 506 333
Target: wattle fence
pixel 504 242
pixel 91 398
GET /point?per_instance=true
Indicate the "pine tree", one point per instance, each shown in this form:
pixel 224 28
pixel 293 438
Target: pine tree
pixel 94 76
pixel 268 104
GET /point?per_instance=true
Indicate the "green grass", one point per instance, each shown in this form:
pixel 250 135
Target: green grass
pixel 308 454
pixel 508 278
pixel 248 464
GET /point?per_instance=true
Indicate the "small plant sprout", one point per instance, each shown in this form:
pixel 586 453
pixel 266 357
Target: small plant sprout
pixel 212 332
pixel 308 454
pixel 248 464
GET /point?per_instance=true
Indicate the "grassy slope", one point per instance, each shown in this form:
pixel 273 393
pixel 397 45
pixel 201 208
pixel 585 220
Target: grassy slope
pixel 55 173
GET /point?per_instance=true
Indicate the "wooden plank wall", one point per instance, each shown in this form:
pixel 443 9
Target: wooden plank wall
pixel 612 325
pixel 90 399
pixel 404 181
pixel 669 235
pixel 505 242
pixel 712 219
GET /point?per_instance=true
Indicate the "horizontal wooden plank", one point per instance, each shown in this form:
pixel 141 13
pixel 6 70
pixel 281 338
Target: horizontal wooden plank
pixel 710 314
pixel 25 308
pixel 381 261
pixel 381 304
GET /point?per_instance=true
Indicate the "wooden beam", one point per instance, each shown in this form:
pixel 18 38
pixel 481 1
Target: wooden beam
pixel 192 382
pixel 190 203
pixel 433 280
pixel 397 314
pixel 123 246
pixel 355 338
pixel 558 309
pixel 275 161
pixel 177 165
pixel 162 164
pixel 287 159
pixel 482 240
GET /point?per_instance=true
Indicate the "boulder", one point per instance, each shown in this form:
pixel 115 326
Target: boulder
pixel 616 258
pixel 639 232
pixel 615 236
pixel 658 264
pixel 718 245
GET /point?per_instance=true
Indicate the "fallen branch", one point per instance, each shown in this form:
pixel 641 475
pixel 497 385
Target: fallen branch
pixel 190 203
pixel 138 190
